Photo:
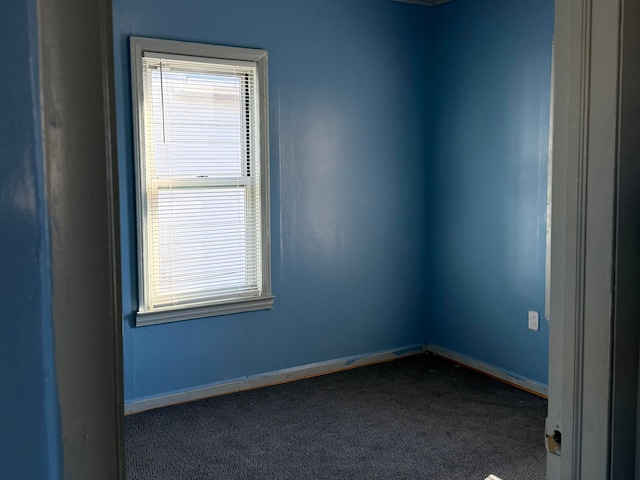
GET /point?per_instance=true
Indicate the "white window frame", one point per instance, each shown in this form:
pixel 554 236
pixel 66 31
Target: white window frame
pixel 207 53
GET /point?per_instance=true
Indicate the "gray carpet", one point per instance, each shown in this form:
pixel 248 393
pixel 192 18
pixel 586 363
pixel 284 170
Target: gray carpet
pixel 415 418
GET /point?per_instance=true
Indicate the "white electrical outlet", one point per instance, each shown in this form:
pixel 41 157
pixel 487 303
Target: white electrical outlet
pixel 533 320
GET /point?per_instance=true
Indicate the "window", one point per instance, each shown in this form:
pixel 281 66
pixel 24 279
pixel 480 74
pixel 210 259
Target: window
pixel 200 115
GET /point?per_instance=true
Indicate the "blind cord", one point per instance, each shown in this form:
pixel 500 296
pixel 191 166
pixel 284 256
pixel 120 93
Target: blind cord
pixel 164 135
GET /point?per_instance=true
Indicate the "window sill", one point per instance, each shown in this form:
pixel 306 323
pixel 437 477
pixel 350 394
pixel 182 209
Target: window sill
pixel 204 311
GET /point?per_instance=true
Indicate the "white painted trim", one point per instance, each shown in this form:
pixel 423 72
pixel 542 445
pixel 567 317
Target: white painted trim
pixel 273 378
pixel 496 372
pixel 204 311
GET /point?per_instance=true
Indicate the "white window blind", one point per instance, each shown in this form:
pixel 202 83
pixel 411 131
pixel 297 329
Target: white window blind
pixel 200 182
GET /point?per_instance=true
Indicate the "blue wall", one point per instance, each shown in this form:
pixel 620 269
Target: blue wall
pixel 349 220
pixel 487 180
pixel 348 128
pixel 30 436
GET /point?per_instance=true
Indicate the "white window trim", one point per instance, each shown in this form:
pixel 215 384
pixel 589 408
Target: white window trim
pixel 139 47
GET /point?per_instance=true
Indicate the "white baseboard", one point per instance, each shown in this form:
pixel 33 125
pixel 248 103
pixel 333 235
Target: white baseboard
pixel 272 378
pixel 490 370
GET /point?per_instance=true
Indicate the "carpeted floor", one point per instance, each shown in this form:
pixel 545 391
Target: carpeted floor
pixel 414 418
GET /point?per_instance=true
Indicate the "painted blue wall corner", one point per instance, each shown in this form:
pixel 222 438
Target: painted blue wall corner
pixel 404 127
pixel 488 148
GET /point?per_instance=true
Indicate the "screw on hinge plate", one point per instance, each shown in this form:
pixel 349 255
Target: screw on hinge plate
pixel 554 442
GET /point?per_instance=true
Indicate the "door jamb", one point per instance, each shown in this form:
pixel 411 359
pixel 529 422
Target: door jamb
pixel 80 159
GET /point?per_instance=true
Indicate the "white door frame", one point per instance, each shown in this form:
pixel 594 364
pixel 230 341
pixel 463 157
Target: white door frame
pixel 78 123
pixel 593 365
